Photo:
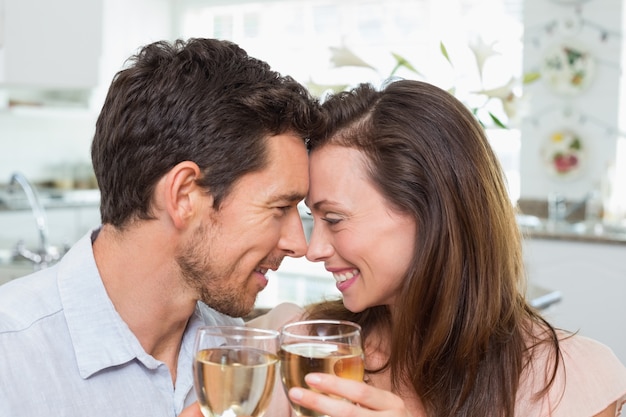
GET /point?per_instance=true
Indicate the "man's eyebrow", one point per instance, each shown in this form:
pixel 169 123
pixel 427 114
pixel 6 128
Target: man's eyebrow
pixel 289 197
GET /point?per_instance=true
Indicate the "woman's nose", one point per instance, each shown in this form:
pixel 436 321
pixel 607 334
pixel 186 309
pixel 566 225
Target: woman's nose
pixel 320 247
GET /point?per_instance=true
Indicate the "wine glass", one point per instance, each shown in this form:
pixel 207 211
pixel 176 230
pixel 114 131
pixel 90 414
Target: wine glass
pixel 328 346
pixel 234 370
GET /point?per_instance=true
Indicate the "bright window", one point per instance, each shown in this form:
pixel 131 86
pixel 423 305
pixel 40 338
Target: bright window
pixel 296 38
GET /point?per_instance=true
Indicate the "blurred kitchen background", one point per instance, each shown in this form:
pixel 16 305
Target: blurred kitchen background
pixel 546 77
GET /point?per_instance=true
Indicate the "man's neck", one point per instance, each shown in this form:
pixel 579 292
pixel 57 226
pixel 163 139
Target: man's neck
pixel 142 281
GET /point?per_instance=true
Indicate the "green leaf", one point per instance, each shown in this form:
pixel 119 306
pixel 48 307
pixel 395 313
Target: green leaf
pixel 393 71
pixel 530 77
pixel 497 121
pixel 444 52
pixel 573 55
pixel 403 62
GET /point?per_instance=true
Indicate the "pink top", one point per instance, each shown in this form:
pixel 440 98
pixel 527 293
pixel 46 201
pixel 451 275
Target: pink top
pixel 595 377
pixel 589 379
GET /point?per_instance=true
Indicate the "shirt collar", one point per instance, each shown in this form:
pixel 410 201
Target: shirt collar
pixel 101 338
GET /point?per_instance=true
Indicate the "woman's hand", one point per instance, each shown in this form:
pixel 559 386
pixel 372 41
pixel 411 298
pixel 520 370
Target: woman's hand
pixel 365 400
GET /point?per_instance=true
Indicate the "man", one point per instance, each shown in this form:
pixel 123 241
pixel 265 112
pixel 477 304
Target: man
pixel 200 159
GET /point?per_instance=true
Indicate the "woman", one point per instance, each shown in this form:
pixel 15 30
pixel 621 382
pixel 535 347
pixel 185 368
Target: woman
pixel 412 218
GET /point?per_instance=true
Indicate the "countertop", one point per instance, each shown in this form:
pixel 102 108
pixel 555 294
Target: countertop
pixel 598 232
pixel 534 224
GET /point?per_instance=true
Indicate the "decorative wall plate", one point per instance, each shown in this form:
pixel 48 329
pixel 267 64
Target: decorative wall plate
pixel 568 68
pixel 564 154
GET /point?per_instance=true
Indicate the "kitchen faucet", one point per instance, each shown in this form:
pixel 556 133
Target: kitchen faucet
pixel 43 255
pixel 559 210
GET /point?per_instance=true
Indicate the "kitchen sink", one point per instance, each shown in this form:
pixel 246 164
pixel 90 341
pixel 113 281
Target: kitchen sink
pixel 13 265
pixel 11 268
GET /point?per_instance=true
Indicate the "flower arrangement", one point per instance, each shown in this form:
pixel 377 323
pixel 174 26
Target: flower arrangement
pixel 512 103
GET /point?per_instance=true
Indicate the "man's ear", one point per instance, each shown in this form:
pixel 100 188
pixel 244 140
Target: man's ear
pixel 181 193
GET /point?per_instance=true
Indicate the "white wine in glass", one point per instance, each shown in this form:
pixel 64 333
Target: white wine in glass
pixel 234 370
pixel 328 346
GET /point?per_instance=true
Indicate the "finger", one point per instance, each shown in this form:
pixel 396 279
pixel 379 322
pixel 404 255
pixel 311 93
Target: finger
pixel 355 391
pixel 191 411
pixel 323 404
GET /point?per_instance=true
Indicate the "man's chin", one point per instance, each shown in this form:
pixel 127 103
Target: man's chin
pixel 235 309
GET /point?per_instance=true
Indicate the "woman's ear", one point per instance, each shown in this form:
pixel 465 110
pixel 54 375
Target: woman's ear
pixel 182 193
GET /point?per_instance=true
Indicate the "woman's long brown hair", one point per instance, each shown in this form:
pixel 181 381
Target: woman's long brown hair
pixel 464 332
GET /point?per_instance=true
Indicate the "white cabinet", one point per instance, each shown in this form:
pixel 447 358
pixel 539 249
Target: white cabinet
pixel 591 277
pixel 50 44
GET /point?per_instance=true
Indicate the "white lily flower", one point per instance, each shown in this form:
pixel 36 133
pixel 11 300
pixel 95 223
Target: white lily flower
pixel 482 52
pixel 344 57
pixel 516 107
pixel 514 103
pixel 320 90
pixel 502 92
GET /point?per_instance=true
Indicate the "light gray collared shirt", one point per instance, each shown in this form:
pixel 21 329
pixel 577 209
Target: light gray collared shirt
pixel 65 351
